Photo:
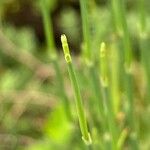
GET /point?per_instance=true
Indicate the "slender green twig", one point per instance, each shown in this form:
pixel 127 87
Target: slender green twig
pixel 97 93
pixel 86 30
pixel 88 57
pixel 115 79
pixel 144 41
pixel 122 139
pixel 142 15
pixel 118 9
pixel 130 113
pixel 47 22
pixel 79 104
pixel 104 67
pixel 118 12
pixel 144 46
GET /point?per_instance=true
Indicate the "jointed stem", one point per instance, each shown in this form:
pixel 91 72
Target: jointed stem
pixel 79 104
pixel 47 22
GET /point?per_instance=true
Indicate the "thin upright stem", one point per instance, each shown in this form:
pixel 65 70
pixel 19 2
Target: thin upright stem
pixel 144 42
pixel 105 81
pixel 78 99
pixel 86 29
pixel 118 12
pixel 88 56
pixel 47 22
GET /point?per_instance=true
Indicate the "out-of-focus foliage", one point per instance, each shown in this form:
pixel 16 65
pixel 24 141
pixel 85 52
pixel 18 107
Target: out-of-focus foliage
pixel 56 131
pixel 50 4
pixel 32 114
pixel 69 23
pixel 23 38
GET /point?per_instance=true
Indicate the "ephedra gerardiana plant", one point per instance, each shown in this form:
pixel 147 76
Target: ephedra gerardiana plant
pixel 112 77
pixel 84 83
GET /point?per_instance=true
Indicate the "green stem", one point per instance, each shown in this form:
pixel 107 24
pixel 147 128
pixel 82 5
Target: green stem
pixel 88 56
pixel 144 43
pixel 118 12
pixel 118 9
pixel 115 79
pixel 79 104
pixel 122 139
pixel 110 117
pixel 98 96
pixel 48 29
pixel 105 81
pixel 86 29
pixel 144 46
pixel 130 113
pixel 47 22
pixel 61 88
pixel 142 14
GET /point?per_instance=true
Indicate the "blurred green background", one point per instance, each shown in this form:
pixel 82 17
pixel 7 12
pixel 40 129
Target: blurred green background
pixel 32 116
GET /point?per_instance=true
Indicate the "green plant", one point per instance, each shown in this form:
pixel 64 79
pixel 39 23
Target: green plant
pixel 53 54
pixel 110 80
pixel 110 116
pixel 79 104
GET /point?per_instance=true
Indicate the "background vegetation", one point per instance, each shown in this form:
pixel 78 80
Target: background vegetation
pixel 37 107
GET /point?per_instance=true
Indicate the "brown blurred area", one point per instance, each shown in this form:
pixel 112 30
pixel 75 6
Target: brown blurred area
pixel 21 13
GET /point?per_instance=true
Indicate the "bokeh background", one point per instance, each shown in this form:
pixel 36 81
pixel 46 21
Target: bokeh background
pixel 31 114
